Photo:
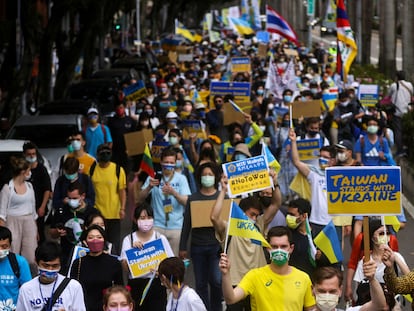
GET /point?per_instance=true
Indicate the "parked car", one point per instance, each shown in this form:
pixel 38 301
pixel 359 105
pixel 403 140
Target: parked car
pixel 49 133
pixel 139 64
pixel 14 147
pixel 121 75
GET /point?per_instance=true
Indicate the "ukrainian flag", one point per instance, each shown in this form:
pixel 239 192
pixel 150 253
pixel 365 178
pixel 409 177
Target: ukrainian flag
pixel 328 242
pixel 271 160
pixel 181 30
pixel 241 26
pixel 240 225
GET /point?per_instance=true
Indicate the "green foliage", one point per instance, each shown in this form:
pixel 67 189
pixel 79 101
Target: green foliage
pixel 370 74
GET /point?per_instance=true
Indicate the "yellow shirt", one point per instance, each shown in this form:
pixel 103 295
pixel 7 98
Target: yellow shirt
pixel 106 190
pixel 273 292
pixel 85 162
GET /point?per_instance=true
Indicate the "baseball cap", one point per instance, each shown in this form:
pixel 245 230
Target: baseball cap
pixel 171 115
pixel 93 110
pixel 345 144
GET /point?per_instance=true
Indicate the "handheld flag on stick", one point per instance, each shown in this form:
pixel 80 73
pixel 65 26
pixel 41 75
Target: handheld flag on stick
pixel 235 106
pixel 241 26
pixel 240 225
pixel 277 24
pixel 312 248
pixel 347 47
pixel 146 289
pixel 146 162
pixel 271 160
pixel 181 30
pixel 328 242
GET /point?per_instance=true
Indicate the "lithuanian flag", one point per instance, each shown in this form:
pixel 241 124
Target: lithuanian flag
pixel 146 162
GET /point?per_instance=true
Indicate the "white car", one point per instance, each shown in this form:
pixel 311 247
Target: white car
pixel 49 133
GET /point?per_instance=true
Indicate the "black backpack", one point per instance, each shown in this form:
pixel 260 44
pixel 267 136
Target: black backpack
pixel 14 264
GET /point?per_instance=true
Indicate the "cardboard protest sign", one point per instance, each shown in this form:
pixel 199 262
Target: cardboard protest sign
pixel 240 91
pixel 364 190
pixel 311 108
pixel 193 126
pixel 200 212
pixel 291 52
pixel 135 141
pixel 248 175
pixel 240 64
pixel 135 91
pixel 143 261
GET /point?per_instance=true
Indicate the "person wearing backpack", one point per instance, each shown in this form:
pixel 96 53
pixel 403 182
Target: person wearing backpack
pixel 50 290
pixel 109 182
pixel 14 269
pixel 96 133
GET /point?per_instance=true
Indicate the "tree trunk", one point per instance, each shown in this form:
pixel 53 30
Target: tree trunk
pixel 367 15
pixel 408 38
pixel 387 37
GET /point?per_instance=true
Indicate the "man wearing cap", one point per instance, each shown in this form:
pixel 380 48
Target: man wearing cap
pixel 109 182
pixel 344 151
pixel 96 133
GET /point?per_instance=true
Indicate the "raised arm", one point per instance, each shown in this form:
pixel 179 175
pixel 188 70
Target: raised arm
pixel 377 302
pixel 303 168
pixel 231 295
pixel 276 202
pixel 218 223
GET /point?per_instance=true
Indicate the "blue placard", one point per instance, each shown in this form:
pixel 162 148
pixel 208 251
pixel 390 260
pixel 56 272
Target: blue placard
pixel 147 259
pixel 368 94
pixel 308 148
pixel 374 190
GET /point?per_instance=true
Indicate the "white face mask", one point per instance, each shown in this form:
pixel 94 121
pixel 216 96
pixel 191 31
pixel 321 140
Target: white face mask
pixel 145 225
pixel 27 177
pixel 4 253
pixel 342 156
pixel 326 302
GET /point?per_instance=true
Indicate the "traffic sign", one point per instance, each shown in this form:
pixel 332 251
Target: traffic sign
pixel 311 8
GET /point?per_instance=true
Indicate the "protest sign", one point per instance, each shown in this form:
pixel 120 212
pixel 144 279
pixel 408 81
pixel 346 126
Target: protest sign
pixel 156 149
pixel 240 64
pixel 135 141
pixel 240 91
pixel 368 190
pixel 135 91
pixel 310 108
pixel 191 127
pixel 308 148
pixel 143 261
pixel 78 251
pixel 201 210
pixel 368 94
pixel 248 175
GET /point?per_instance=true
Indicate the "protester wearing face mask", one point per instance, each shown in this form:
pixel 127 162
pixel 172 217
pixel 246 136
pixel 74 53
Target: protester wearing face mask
pixel 119 125
pixel 156 298
pixel 215 119
pixel 243 254
pixel 149 110
pixel 38 293
pixel 204 247
pixel 379 239
pixel 96 133
pixel 287 98
pixel 110 196
pixel 96 219
pixel 327 288
pixel 344 154
pixel 268 286
pixel 169 192
pixel 184 167
pixel 9 291
pixel 372 148
pixel 164 102
pixel 296 219
pixel 78 143
pixel 241 152
pixel 18 210
pixel 97 270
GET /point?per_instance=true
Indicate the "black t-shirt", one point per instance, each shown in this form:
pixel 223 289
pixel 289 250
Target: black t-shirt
pixel 300 256
pixel 41 182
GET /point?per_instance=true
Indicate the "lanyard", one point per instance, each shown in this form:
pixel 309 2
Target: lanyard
pixel 178 297
pixel 48 306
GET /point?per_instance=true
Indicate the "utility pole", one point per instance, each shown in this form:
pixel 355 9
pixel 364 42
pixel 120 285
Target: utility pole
pixel 310 12
pixel 359 29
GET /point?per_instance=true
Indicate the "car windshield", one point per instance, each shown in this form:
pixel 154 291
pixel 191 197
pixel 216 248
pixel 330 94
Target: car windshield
pixel 44 136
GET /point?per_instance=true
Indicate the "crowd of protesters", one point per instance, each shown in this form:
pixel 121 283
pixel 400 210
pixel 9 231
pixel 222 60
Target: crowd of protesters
pixel 101 184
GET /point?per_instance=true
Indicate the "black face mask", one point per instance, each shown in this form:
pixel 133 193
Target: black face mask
pixel 266 201
pixel 207 153
pixel 104 157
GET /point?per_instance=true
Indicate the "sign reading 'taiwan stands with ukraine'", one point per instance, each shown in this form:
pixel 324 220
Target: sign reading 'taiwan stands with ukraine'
pixel 374 190
pixel 248 175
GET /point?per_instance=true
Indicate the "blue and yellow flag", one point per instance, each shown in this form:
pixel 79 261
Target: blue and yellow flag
pixel 271 160
pixel 241 26
pixel 181 30
pixel 328 242
pixel 240 225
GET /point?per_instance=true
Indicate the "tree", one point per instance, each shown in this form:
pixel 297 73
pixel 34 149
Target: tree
pixel 408 38
pixel 387 33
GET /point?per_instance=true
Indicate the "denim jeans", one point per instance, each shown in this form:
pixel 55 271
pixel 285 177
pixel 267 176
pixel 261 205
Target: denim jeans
pixel 206 272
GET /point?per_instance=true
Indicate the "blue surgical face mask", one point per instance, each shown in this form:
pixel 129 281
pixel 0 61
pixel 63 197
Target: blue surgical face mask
pixel 76 145
pixel 240 156
pixel 74 203
pixel 207 181
pixel 260 92
pixel 71 176
pixel 287 98
pixel 48 274
pixel 168 167
pixel 31 160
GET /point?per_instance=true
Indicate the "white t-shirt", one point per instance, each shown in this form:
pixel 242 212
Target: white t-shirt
pixel 319 201
pixel 379 273
pixel 188 301
pixel 34 296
